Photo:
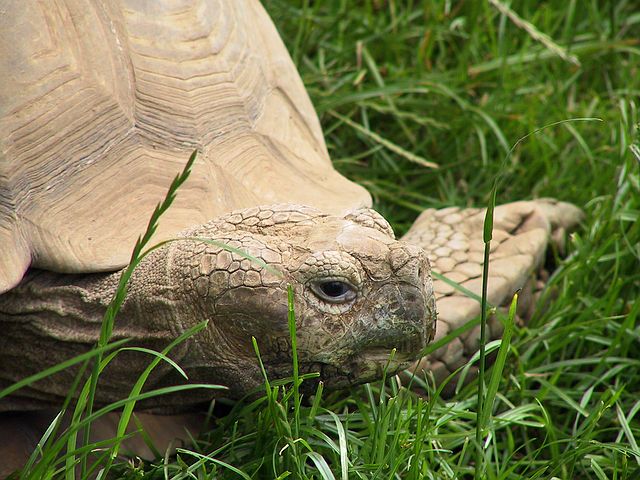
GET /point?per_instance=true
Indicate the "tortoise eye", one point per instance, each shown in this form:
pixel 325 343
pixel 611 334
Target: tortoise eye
pixel 334 291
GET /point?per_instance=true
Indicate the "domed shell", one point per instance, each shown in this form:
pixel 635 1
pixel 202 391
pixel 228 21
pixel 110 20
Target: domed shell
pixel 102 103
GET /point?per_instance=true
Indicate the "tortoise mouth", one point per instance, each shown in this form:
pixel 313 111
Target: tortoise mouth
pixel 370 364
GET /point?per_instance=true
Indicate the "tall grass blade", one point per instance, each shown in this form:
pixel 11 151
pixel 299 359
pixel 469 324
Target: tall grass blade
pixel 121 291
pixel 322 465
pixel 487 235
pixel 264 371
pixel 536 34
pixel 412 157
pixel 342 444
pixel 498 366
pixel 294 357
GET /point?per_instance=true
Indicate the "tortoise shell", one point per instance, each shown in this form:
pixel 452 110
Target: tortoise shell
pixel 102 103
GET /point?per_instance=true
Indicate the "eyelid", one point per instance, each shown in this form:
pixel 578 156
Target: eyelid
pixel 347 297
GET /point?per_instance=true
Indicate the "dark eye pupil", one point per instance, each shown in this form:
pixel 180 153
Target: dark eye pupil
pixel 333 289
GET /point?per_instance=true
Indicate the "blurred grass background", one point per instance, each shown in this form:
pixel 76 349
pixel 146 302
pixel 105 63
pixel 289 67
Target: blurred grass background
pixel 457 83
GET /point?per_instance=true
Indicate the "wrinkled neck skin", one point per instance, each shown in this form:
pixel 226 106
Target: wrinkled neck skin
pixel 347 338
pixel 50 318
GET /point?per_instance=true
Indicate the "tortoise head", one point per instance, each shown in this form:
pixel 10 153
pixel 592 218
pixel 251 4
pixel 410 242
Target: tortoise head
pixel 359 295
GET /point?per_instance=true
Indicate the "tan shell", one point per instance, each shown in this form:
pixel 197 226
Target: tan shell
pixel 101 104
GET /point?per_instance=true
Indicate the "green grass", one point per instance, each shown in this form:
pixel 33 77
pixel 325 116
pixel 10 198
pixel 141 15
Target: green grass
pixel 399 84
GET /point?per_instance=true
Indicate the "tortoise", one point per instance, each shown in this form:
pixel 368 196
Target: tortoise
pixel 102 102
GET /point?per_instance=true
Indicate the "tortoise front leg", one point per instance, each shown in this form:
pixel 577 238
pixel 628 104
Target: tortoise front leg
pixel 452 237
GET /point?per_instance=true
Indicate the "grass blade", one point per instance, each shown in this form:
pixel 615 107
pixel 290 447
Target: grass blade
pixel 412 157
pixel 498 366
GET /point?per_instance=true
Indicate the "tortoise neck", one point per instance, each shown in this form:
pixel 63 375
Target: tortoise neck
pixel 62 314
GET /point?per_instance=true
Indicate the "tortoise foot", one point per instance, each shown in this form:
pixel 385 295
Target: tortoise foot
pixel 452 237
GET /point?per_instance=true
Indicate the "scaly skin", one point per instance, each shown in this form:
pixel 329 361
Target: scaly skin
pixel 188 281
pixel 452 238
